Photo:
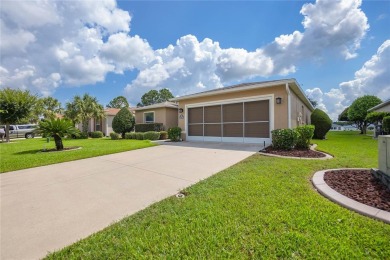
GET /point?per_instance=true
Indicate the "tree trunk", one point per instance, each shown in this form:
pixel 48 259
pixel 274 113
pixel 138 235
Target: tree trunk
pixel 85 126
pixel 364 128
pixel 58 141
pixel 7 132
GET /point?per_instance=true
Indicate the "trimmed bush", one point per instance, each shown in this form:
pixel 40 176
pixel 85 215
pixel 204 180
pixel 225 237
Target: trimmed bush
pixel 82 135
pixel 386 124
pixel 305 134
pixel 114 136
pixel 284 139
pixel 139 136
pixel 174 133
pixel 123 122
pixel 322 123
pixel 97 134
pixel 129 136
pixel 149 127
pixel 151 135
pixel 163 135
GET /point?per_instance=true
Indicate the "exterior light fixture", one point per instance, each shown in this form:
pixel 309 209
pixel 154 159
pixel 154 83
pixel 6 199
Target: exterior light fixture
pixel 278 100
pixel 181 110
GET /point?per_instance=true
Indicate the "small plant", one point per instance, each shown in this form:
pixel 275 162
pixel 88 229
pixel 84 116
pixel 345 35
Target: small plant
pixel 174 133
pixel 386 124
pixel 305 134
pixel 82 135
pixel 284 139
pixel 163 135
pixel 321 122
pixel 114 136
pixel 139 136
pixel 97 134
pixel 151 135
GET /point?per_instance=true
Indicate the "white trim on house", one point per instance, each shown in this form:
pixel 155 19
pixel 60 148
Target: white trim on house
pixel 144 119
pixel 158 105
pixel 269 97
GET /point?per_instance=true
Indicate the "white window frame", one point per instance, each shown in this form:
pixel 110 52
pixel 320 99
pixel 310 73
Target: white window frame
pixel 154 117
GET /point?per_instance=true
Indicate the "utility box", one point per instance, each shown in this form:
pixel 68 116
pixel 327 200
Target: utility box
pixel 383 173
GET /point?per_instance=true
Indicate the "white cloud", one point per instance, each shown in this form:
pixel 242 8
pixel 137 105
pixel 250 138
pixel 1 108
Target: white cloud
pixel 372 79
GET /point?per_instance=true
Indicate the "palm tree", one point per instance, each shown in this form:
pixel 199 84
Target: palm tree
pixel 57 128
pixel 82 109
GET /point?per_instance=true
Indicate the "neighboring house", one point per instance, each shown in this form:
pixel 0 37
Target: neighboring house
pixel 165 113
pixel 243 113
pixel 336 127
pixel 103 124
pixel 382 107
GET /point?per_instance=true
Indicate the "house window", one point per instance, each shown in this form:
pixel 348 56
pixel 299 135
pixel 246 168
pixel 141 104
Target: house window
pixel 149 117
pixel 98 125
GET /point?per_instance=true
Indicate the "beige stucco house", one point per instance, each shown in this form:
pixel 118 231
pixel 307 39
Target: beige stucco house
pixel 165 113
pixel 245 113
pixel 382 107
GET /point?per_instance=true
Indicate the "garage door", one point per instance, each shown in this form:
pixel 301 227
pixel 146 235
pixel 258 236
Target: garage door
pixel 234 122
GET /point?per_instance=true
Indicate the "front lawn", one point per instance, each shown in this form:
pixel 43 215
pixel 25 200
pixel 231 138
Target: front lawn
pixel 22 154
pixel 262 208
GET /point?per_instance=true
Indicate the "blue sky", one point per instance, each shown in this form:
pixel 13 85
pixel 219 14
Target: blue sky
pixel 337 50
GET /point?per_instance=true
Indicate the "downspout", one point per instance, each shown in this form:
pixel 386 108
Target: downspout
pixel 288 105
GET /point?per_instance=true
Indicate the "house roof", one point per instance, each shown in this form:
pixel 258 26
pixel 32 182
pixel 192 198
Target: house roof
pixel 292 83
pixel 113 111
pixel 158 105
pixel 385 103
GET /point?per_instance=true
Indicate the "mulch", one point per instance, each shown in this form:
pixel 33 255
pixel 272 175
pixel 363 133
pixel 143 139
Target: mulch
pixel 65 149
pixel 361 186
pixel 303 153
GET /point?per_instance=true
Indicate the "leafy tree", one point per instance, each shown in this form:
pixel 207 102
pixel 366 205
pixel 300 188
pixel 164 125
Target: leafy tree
pixel 57 128
pixel 376 117
pixel 15 105
pixel 123 122
pixel 344 115
pixel 322 123
pixel 154 97
pixel 48 107
pixel 82 109
pixel 357 112
pixel 313 102
pixel 118 102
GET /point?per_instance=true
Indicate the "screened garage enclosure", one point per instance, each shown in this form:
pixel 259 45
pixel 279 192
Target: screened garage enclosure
pixel 232 122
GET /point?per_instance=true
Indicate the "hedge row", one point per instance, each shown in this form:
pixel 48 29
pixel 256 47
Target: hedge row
pixel 156 127
pixel 150 135
pixel 287 139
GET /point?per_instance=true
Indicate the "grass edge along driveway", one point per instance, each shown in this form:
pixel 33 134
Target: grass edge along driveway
pixel 262 207
pixel 22 154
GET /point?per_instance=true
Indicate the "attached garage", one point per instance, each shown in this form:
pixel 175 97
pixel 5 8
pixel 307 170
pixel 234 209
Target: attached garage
pixel 244 113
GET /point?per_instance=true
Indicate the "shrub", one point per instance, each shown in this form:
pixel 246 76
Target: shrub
pixel 163 135
pixel 151 135
pixel 284 139
pixel 97 134
pixel 322 123
pixel 139 136
pixel 174 133
pixel 149 127
pixel 128 136
pixel 305 134
pixel 82 135
pixel 114 136
pixel 386 124
pixel 123 122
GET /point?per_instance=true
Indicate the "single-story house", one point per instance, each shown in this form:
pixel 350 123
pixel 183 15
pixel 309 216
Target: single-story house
pixel 382 107
pixel 336 127
pixel 165 113
pixel 243 113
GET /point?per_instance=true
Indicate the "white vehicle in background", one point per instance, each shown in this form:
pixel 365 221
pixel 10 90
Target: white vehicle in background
pixel 18 131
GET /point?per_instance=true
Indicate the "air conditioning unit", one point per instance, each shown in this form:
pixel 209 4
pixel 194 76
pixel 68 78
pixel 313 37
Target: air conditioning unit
pixel 383 173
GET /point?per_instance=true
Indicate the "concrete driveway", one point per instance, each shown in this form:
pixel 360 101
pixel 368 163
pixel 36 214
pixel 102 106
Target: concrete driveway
pixel 46 208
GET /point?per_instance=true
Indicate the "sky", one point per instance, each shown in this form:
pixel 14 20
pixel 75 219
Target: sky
pixel 336 50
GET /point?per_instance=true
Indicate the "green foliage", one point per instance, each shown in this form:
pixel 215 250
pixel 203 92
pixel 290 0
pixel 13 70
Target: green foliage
pixel 305 134
pixel 118 102
pixel 375 117
pixel 123 122
pixel 149 127
pixel 131 135
pixel 344 115
pixel 284 139
pixel 47 107
pixel 82 135
pixel 357 112
pixel 57 128
pixel 114 136
pixel 154 97
pixel 174 134
pixel 97 134
pixel 322 123
pixel 139 136
pixel 163 135
pixel 386 124
pixel 82 109
pixel 151 135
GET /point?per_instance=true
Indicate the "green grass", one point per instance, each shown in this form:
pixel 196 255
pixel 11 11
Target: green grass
pixel 262 208
pixel 22 154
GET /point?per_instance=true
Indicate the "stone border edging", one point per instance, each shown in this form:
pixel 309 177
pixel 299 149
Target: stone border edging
pixel 323 188
pixel 327 156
